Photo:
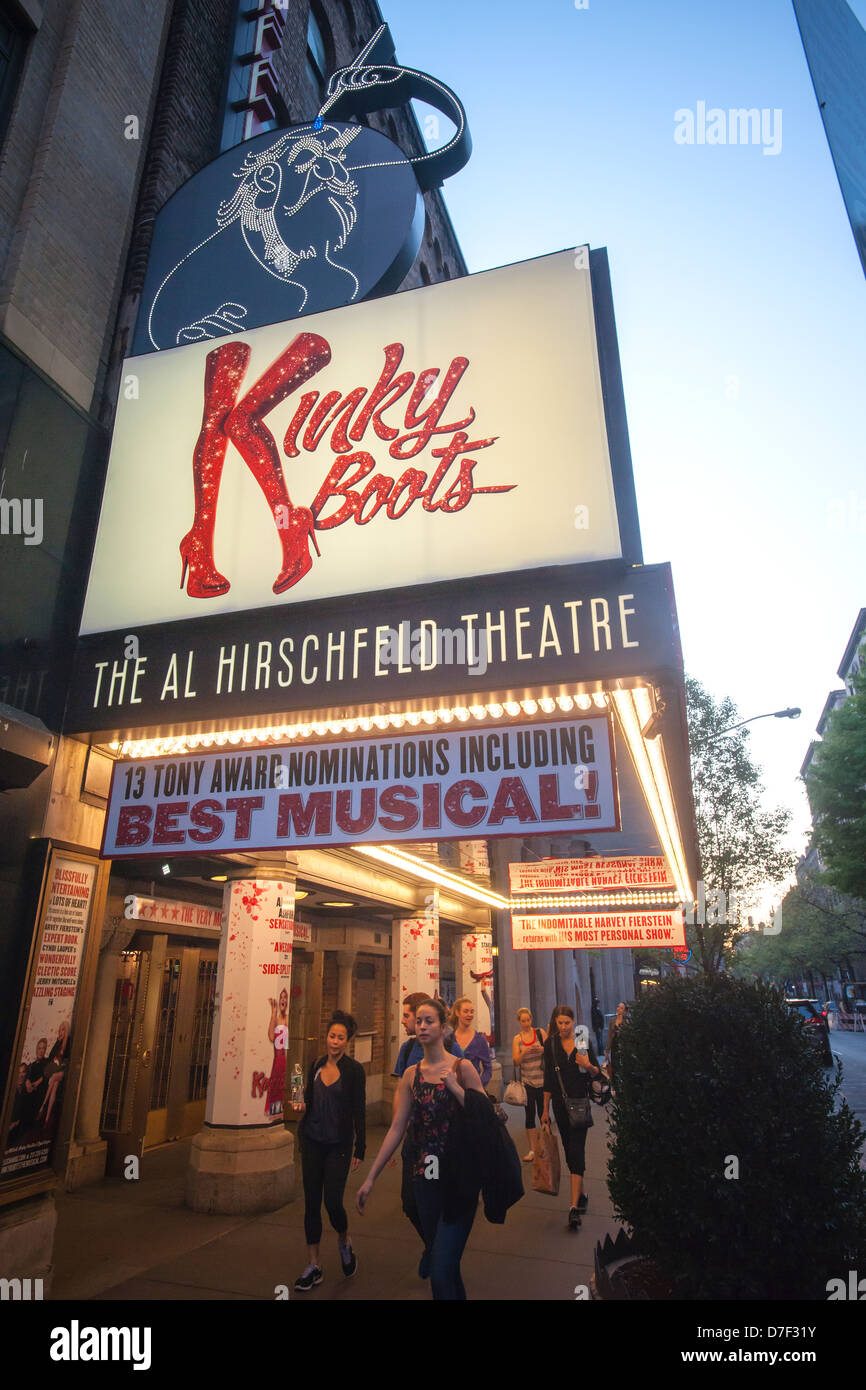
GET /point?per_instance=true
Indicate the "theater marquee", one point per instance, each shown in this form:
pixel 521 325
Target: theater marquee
pixel 545 777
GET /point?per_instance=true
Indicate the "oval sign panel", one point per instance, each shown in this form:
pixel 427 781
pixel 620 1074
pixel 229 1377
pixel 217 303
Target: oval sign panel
pixel 292 222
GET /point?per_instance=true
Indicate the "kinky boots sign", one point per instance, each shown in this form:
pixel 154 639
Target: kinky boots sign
pixel 390 447
pixel 344 495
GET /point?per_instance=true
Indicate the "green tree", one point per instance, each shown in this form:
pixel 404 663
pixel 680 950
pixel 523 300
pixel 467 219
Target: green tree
pixel 814 940
pixel 740 842
pixel 836 783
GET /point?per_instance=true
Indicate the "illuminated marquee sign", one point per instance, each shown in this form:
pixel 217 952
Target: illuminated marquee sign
pixel 636 872
pixel 612 929
pixel 388 444
pixel 548 777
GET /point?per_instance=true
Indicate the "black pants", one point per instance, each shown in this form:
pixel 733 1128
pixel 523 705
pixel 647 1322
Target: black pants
pixel 573 1139
pixel 326 1169
pixel 534 1105
pixel 443 1240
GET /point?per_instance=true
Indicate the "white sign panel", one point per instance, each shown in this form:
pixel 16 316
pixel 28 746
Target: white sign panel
pixel 630 873
pixel 455 430
pixel 542 778
pixel 247 1081
pixel 614 929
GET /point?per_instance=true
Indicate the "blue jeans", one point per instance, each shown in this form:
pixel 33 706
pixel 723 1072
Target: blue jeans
pixel 443 1240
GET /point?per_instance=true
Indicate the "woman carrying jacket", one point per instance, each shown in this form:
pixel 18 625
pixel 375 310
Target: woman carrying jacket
pixel 335 1099
pixel 563 1059
pixel 429 1100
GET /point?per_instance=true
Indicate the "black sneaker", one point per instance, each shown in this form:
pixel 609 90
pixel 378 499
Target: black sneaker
pixel 582 1203
pixel 573 1219
pixel 350 1265
pixel 307 1281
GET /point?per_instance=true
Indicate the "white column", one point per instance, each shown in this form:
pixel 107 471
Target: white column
pixel 474 973
pixel 242 1161
pixel 414 963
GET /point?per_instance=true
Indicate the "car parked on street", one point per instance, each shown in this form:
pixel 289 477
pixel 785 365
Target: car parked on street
pixel 815 1021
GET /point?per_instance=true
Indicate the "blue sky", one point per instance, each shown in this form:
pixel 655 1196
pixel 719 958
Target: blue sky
pixel 739 300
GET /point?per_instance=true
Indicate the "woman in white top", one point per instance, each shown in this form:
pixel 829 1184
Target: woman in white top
pixel 527 1051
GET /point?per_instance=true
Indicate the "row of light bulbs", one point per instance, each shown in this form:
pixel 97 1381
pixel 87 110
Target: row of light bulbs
pixel 286 733
pixel 666 898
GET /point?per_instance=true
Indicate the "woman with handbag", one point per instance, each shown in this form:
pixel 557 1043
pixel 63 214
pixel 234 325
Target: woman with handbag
pixel 568 1074
pixel 527 1051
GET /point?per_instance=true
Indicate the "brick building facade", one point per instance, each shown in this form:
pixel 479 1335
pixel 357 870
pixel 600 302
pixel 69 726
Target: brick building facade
pixel 106 110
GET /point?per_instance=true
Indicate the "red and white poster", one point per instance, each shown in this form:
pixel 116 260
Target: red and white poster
pixel 598 873
pixel 40 1076
pixel 416 954
pixel 251 1030
pixel 614 929
pixel 474 858
pixel 475 979
pixel 539 778
pixel 174 913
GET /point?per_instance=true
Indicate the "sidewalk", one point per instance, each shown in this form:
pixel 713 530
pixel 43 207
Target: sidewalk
pixel 124 1240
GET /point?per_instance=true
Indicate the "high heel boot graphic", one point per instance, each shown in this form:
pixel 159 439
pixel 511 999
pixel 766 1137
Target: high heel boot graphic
pixel 224 373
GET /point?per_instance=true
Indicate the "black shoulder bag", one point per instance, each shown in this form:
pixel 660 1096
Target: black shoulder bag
pixel 579 1110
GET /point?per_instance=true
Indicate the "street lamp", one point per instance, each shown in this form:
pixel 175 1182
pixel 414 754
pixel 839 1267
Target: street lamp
pixel 774 714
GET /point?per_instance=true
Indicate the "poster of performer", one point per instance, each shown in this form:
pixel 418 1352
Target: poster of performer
pixel 44 1060
pixel 475 975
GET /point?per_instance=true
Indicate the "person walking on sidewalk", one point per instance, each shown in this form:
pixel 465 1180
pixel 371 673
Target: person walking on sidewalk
pixel 411 1050
pixel 429 1099
pixel 527 1051
pixel 334 1106
pixel 610 1054
pixel 568 1069
pixel 474 1045
pixel 597 1020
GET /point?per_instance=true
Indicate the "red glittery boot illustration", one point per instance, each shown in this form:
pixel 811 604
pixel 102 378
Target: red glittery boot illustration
pixel 224 372
pixel 307 354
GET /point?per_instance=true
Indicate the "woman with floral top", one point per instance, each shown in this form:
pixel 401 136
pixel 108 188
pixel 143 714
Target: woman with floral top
pixel 429 1099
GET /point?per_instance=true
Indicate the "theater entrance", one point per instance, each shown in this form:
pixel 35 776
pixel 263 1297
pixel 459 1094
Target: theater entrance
pixel 159 1046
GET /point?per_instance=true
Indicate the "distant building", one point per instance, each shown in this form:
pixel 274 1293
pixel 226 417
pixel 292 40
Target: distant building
pixel 835 44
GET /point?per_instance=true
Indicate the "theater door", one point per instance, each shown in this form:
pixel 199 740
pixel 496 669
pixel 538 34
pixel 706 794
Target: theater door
pixel 159 1047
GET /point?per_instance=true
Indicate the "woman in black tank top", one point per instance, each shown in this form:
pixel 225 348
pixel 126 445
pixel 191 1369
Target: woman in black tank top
pixel 428 1100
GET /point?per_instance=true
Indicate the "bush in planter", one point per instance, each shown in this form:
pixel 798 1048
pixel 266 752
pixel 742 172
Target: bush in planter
pixel 712 1069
